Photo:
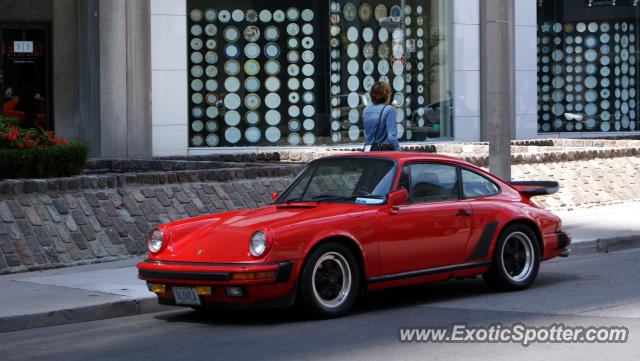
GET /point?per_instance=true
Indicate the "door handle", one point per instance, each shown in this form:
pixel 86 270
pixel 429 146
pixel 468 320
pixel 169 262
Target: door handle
pixel 463 212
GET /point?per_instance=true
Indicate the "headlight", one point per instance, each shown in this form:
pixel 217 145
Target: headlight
pixel 154 241
pixel 258 244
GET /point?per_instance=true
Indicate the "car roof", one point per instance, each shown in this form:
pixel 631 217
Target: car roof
pixel 408 157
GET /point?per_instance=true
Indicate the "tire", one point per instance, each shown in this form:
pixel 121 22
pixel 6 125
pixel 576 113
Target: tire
pixel 516 259
pixel 329 281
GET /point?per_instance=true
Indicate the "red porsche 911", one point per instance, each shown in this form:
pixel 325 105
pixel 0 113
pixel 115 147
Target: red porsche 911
pixel 354 223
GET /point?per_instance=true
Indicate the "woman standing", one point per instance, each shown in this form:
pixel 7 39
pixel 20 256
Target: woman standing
pixel 379 120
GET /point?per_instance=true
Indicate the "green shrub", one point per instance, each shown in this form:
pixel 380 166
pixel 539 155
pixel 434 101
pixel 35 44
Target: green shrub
pixel 36 153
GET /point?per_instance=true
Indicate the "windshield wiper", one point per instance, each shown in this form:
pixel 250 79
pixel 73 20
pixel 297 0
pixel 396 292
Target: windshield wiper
pixel 293 200
pixel 327 197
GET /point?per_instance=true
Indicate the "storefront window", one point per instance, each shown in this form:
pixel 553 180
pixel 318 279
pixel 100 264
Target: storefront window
pixel 297 73
pixel 587 66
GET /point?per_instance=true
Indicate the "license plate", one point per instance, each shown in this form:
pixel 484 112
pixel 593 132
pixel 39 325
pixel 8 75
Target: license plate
pixel 186 296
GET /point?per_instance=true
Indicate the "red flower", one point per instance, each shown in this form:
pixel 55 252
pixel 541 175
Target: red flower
pixel 29 145
pixel 20 145
pixel 5 135
pixel 64 142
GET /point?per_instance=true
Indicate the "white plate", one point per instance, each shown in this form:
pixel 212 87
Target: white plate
pixel 272 84
pixel 308 138
pixel 211 15
pixel 293 84
pixel 292 43
pixel 252 50
pixel 271 50
pixel 335 54
pixel 278 16
pixel 224 16
pixel 211 71
pixel 399 98
pixel 590 109
pixel 353 100
pixel 307 14
pixel 367 82
pixel 307 56
pixel 232 84
pixel 272 117
pixel 197 125
pixel 307 29
pixel 265 16
pixel 196 71
pixel 231 67
pixel 294 125
pixel 293 14
pixel 272 67
pixel 308 70
pixel 354 132
pixel 591 82
pixel 196 43
pixel 335 89
pixel 353 66
pixel 335 125
pixel 354 116
pixel 368 67
pixel 308 97
pixel 353 83
pixel 197 140
pixel 271 33
pixel 212 112
pixel 307 42
pixel 232 101
pixel 335 78
pixel 293 70
pixel 252 84
pixel 232 135
pixel 272 100
pixel 367 34
pixel 212 140
pixel 383 79
pixel 352 34
pixel 335 137
pixel 211 85
pixel 252 134
pixel 252 101
pixel 195 15
pixel 293 139
pixel 383 67
pixel 590 96
pixel 308 111
pixel 196 30
pixel 231 34
pixel 211 57
pixel 232 118
pixel 293 29
pixel 252 117
pixel 293 56
pixel 398 67
pixel 294 97
pixel 383 35
pixel 352 50
pixel 197 85
pixel 272 134
pixel 196 57
pixel 308 83
pixel 294 111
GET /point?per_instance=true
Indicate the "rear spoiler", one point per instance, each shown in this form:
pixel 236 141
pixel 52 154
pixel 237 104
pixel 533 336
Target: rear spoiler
pixel 535 188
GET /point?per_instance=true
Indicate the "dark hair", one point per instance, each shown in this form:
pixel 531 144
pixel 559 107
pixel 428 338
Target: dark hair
pixel 380 92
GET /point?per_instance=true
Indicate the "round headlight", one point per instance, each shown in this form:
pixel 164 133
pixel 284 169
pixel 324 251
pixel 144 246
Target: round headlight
pixel 258 244
pixel 154 242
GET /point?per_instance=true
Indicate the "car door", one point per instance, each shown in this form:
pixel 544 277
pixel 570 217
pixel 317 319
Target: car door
pixel 432 228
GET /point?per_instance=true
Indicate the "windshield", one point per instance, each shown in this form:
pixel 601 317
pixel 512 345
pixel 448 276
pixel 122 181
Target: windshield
pixel 360 180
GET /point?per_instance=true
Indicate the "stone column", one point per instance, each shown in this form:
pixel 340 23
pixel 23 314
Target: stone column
pixel 497 81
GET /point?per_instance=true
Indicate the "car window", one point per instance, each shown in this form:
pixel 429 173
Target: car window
pixel 474 185
pixel 433 183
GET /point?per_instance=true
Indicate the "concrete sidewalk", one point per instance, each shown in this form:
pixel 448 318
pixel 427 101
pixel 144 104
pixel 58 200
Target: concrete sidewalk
pixel 106 290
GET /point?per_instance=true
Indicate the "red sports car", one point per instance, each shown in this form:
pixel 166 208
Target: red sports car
pixel 354 223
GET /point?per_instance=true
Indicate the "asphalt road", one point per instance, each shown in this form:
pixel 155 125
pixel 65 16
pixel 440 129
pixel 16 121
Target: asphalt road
pixel 588 290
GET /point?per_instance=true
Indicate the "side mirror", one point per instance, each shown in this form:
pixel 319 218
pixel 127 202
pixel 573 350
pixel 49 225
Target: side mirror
pixel 398 197
pixel 274 195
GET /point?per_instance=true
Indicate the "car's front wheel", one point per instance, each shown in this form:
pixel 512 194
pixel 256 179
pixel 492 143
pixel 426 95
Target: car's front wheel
pixel 329 280
pixel 516 259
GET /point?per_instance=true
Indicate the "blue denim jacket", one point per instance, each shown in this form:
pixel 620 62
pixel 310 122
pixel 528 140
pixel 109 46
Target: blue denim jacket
pixel 387 131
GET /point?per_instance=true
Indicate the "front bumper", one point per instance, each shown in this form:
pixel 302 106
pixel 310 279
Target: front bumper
pixel 263 284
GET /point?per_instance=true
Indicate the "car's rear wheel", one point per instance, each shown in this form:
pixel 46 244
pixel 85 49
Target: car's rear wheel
pixel 329 280
pixel 516 259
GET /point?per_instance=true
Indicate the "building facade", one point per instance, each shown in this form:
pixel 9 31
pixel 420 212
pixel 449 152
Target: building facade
pixel 179 77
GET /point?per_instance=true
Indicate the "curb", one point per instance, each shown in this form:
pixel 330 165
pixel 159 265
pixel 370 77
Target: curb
pixel 606 245
pixel 82 314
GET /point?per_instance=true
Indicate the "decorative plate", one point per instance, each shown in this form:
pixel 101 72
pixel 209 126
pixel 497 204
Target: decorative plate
pixel 293 56
pixel 293 43
pixel 308 138
pixel 237 15
pixel 308 97
pixel 251 16
pixel 271 33
pixel 211 98
pixel 251 33
pixel 211 15
pixel 352 50
pixel 231 101
pixel 196 57
pixel 196 44
pixel 590 41
pixel 232 118
pixel 593 27
pixel 272 134
pixel 398 83
pixel 252 134
pixel 293 84
pixel 211 44
pixel 308 84
pixel 294 125
pixel 293 14
pixel 272 67
pixel 195 15
pixel 252 50
pixel 307 29
pixel 365 12
pixel 211 85
pixel 224 16
pixel 197 85
pixel 307 42
pixel 212 112
pixel 383 67
pixel 368 67
pixel 232 135
pixel 272 84
pixel 368 82
pixel 197 140
pixel 397 67
pixel 196 98
pixel 278 16
pixel 383 51
pixel 395 13
pixel 252 101
pixel 251 67
pixel 383 35
pixel 354 132
pixel 231 34
pixel 211 29
pixel 294 97
pixel 308 70
pixel 293 70
pixel 308 56
pixel 265 16
pixel 212 125
pixel 380 12
pixel 294 111
pixel 213 140
pixel 308 111
pixel 272 117
pixel 252 117
pixel 272 50
pixel 196 71
pixel 293 29
pixel 272 100
pixel 368 51
pixel 367 34
pixel 306 15
pixel 211 57
pixel 352 34
pixel 293 139
pixel 353 83
pixel 353 66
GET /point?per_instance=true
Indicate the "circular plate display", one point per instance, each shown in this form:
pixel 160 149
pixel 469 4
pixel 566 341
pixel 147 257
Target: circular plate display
pixel 272 100
pixel 224 16
pixel 211 85
pixel 197 140
pixel 196 57
pixel 308 70
pixel 293 139
pixel 349 11
pixel 398 83
pixel 367 82
pixel 211 99
pixel 232 84
pixel 272 84
pixel 251 16
pixel 293 29
pixel 353 66
pixel 307 29
pixel 294 97
pixel 293 70
pixel 353 100
pixel 272 134
pixel 211 71
pixel 212 140
pixel 231 51
pixel 231 34
pixel 211 15
pixel 212 126
pixel 252 117
pixel 352 50
pixel 197 85
pixel 251 67
pixel 368 67
pixel 232 135
pixel 293 14
pixel 232 101
pixel 252 101
pixel 271 50
pixel 380 12
pixel 196 71
pixel 252 134
pixel 383 35
pixel 308 97
pixel 271 33
pixel 210 30
pixel 293 84
pixel 365 12
pixel 354 132
pixel 367 34
pixel 383 67
pixel 212 112
pixel 251 33
pixel 252 50
pixel 196 44
pixel 307 56
pixel 384 51
pixel 197 126
pixel 196 30
pixel 308 138
pixel 307 14
pixel 237 15
pixel 232 118
pixel 307 42
pixel 294 125
pixel 294 111
pixel 211 57
pixel 195 15
pixel 278 16
pixel 292 43
pixel 353 83
pixel 352 34
pixel 272 67
pixel 368 51
pixel 265 16
pixel 272 117
pixel 308 83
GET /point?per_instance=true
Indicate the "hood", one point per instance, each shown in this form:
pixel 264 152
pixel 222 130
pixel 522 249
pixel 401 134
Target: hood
pixel 224 237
